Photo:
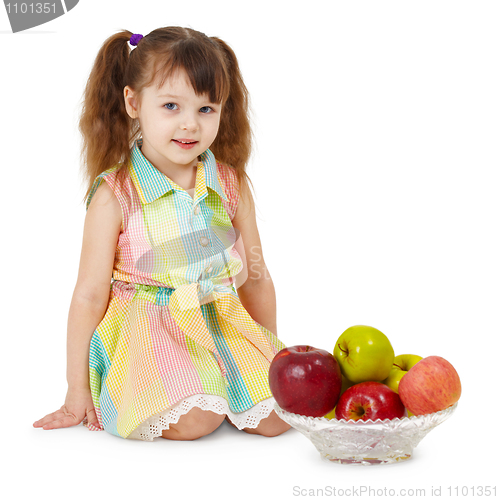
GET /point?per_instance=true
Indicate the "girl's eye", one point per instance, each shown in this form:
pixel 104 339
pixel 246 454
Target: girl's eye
pixel 172 107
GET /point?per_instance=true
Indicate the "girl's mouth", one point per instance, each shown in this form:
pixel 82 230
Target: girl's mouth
pixel 185 143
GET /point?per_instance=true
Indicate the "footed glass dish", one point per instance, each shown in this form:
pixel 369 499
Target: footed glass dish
pixel 365 443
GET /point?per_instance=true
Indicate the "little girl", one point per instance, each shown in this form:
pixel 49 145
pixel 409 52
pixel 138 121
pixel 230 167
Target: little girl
pixel 169 348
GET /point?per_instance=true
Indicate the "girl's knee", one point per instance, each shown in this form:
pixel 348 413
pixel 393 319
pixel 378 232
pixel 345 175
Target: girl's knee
pixel 275 430
pixel 193 425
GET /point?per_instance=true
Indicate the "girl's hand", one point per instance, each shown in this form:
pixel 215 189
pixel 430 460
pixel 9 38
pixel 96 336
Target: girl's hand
pixel 78 404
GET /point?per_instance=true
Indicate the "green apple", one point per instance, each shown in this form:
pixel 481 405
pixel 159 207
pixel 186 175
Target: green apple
pixel 364 354
pixel 400 367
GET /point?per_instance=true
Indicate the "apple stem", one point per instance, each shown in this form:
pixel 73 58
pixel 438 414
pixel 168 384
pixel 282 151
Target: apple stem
pixel 345 352
pixel 400 367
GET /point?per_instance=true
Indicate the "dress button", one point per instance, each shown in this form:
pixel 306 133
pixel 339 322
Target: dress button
pixel 204 241
pixel 197 209
pixel 208 269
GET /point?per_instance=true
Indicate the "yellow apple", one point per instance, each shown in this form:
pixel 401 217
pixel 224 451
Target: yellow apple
pixel 400 367
pixel 364 354
pixel 330 414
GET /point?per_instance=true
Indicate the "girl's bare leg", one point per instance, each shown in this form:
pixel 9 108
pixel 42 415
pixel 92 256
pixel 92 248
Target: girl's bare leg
pixel 193 425
pixel 270 426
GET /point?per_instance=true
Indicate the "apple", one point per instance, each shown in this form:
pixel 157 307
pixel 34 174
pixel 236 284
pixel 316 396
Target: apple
pixel 364 354
pixel 330 414
pixel 369 401
pixel 400 367
pixel 431 385
pixel 345 385
pixel 305 380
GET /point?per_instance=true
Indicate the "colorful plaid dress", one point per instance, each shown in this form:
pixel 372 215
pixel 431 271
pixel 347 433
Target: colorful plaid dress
pixel 175 334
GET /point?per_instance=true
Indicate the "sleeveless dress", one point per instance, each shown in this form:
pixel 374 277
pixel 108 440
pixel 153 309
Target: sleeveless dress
pixel 175 334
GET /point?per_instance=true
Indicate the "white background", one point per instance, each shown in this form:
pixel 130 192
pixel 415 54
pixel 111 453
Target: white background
pixel 376 174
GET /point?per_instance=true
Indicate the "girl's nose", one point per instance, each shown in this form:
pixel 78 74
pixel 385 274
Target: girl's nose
pixel 189 123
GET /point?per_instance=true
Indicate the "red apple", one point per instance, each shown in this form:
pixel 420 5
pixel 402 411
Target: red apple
pixel 369 401
pixel 429 386
pixel 305 380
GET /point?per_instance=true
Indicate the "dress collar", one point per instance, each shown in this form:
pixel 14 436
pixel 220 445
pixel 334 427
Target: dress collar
pixel 151 184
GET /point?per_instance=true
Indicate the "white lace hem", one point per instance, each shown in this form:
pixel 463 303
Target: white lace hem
pixel 154 425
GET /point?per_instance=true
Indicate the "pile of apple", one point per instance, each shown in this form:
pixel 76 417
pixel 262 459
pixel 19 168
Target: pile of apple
pixel 361 380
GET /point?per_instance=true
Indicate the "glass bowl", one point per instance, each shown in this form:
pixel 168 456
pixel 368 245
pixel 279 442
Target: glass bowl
pixel 365 442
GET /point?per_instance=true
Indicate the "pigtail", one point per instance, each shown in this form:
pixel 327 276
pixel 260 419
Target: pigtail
pixel 104 123
pixel 233 144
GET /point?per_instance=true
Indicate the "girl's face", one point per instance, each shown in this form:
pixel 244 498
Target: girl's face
pixel 176 124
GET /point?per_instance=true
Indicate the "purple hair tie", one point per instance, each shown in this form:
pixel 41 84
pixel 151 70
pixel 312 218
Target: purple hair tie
pixel 134 39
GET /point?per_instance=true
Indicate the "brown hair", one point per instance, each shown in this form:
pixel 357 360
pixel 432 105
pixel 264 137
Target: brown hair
pixel 211 65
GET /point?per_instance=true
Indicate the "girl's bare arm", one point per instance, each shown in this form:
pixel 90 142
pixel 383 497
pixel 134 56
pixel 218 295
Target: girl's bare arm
pixel 91 294
pixel 88 306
